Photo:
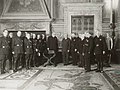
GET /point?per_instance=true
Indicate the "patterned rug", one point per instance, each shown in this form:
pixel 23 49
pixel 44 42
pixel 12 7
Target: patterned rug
pixel 114 74
pixel 26 74
pixel 18 80
pixel 72 79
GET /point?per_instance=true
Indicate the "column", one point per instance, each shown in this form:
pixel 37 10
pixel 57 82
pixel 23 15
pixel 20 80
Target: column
pixel 118 16
pixel 52 11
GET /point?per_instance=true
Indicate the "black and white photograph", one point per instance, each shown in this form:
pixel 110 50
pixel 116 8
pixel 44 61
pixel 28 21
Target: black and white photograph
pixel 59 44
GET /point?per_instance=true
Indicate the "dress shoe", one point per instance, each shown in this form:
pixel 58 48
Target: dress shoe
pixel 98 71
pixel 44 65
pixel 55 65
pixel 14 71
pixel 87 70
pixel 102 71
pixel 2 72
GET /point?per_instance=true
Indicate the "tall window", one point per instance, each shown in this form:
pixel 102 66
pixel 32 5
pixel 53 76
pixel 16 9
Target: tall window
pixel 82 23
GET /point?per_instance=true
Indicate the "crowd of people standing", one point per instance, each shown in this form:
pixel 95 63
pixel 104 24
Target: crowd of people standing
pixel 21 52
pixel 86 50
pixel 27 51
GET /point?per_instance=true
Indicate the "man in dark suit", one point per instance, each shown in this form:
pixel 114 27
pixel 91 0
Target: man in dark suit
pixel 65 49
pixel 4 50
pixel 43 48
pixel 35 50
pixel 28 51
pixel 53 45
pixel 17 47
pixel 10 55
pixel 73 49
pixel 87 49
pixel 99 50
pixel 38 61
pixel 80 49
pixel 78 42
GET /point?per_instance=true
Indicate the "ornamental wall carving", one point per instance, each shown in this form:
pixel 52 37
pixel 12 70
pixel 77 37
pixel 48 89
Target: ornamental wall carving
pixel 26 26
pixel 76 9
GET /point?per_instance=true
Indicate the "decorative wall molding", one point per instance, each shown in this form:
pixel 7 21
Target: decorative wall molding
pixel 81 1
pixel 75 9
pixel 119 24
pixel 26 26
pixel 31 15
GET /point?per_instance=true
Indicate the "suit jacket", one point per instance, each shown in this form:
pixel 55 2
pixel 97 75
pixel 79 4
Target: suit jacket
pixel 17 45
pixel 80 45
pixel 73 45
pixel 53 43
pixel 39 44
pixel 34 43
pixel 65 44
pixel 43 47
pixel 4 45
pixel 88 45
pixel 10 40
pixel 99 45
pixel 28 46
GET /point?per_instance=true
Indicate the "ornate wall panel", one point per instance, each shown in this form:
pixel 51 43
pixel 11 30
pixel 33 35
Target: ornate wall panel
pixel 25 15
pixel 26 26
pixel 76 9
pixel 58 10
pixel 25 9
pixel 81 1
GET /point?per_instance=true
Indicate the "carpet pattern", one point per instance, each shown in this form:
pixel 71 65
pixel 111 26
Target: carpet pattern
pixel 18 80
pixel 72 79
pixel 22 75
pixel 114 74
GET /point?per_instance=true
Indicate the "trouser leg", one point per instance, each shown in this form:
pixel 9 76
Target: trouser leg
pixel 38 63
pixel 22 60
pixel 82 60
pixel 2 66
pixel 26 61
pixel 10 62
pixel 34 59
pixel 63 53
pixel 74 58
pixel 42 59
pixel 87 62
pixel 3 60
pixel 67 57
pixel 19 61
pixel 16 59
pixel 109 57
pixel 30 59
pixel 55 59
pixel 99 62
pixel 79 60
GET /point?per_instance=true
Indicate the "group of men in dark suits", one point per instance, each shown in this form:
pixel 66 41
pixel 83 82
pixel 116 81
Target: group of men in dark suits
pixel 28 51
pixel 21 51
pixel 83 48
